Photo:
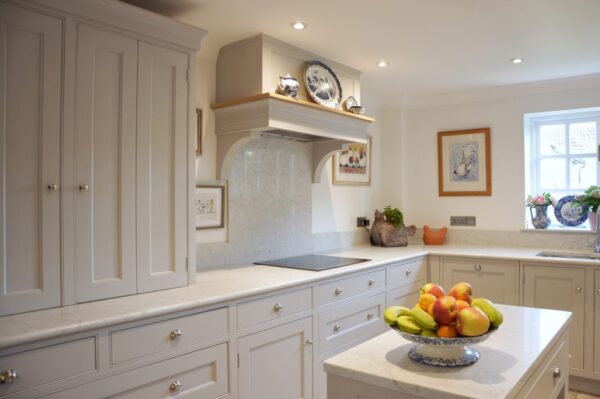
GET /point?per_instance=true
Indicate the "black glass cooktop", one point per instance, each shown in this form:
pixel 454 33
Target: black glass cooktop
pixel 312 262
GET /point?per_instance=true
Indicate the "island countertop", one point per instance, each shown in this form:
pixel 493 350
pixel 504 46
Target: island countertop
pixel 508 359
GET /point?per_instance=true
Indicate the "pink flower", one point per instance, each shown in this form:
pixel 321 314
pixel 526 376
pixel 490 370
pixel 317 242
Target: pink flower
pixel 540 200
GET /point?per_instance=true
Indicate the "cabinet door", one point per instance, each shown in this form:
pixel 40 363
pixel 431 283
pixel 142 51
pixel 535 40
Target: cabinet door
pixel 162 168
pixel 560 289
pixel 105 164
pixel 30 108
pixel 496 280
pixel 277 363
pixel 597 324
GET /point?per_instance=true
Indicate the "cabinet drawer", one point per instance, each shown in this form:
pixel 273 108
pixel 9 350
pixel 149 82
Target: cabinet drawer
pixel 345 288
pixel 547 383
pixel 273 307
pixel 200 374
pixel 350 322
pixel 407 295
pixel 408 273
pixel 137 342
pixel 53 363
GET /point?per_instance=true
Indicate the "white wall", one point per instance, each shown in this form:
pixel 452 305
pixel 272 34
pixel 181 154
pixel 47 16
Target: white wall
pixel 414 128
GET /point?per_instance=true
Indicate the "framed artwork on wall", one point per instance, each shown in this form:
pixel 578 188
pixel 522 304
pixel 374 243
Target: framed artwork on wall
pixel 198 131
pixel 352 165
pixel 464 162
pixel 209 201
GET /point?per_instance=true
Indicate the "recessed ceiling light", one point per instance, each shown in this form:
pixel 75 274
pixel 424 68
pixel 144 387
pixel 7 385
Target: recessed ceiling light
pixel 298 25
pixel 382 64
pixel 516 60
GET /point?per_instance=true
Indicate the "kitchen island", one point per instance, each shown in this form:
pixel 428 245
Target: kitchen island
pixel 526 358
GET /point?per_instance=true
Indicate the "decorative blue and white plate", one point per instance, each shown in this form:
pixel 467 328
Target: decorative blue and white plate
pixel 322 84
pixel 568 214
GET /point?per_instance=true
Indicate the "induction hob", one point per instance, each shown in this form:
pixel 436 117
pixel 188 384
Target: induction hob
pixel 312 262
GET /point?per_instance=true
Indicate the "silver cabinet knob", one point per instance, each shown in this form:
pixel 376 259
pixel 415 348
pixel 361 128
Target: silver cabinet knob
pixel 8 376
pixel 175 386
pixel 337 327
pixel 309 342
pixel 175 334
pixel 557 373
pixel 579 290
pixel 408 273
pixel 371 282
pixel 370 315
pixel 84 187
pixel 598 291
pixel 52 187
pixel 277 307
pixel 477 267
pixel 338 291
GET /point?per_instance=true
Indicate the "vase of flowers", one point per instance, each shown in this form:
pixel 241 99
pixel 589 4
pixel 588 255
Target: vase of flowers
pixel 538 209
pixel 590 199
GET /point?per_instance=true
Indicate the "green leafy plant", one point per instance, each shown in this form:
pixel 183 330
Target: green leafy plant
pixel 590 197
pixel 393 216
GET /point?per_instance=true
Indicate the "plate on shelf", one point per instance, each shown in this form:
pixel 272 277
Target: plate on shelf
pixel 349 103
pixel 569 214
pixel 322 84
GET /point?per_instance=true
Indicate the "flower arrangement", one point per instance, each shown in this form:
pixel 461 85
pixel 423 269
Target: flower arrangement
pixel 540 200
pixel 590 197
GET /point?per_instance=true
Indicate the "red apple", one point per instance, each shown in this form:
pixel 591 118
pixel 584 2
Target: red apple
pixel 460 305
pixel 434 289
pixel 462 291
pixel 444 310
pixel 472 322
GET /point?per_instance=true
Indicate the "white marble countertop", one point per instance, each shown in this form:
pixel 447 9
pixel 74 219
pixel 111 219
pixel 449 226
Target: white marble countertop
pixel 507 359
pixel 223 285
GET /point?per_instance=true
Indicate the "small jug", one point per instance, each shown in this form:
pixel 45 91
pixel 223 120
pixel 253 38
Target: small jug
pixel 288 86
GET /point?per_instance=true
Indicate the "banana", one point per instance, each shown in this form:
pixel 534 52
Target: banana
pixel 407 324
pixel 498 320
pixel 487 307
pixel 423 319
pixel 391 314
pixel 428 333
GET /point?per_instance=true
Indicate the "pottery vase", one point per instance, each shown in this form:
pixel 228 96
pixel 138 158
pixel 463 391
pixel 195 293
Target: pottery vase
pixel 593 219
pixel 539 216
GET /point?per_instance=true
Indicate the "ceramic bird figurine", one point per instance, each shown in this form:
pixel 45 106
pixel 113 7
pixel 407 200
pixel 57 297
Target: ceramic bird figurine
pixel 431 237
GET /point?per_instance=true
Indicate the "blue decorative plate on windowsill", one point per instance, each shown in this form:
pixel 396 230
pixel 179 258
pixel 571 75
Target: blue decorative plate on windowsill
pixel 569 214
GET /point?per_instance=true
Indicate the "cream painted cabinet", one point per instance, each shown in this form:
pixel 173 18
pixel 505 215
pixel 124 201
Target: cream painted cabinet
pixel 161 168
pixel 597 323
pixel 30 135
pixel 561 289
pixel 277 363
pixel 105 155
pixel 496 280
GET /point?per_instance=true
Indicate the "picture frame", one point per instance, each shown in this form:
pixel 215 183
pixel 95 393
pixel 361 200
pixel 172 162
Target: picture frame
pixel 464 163
pixel 209 206
pixel 198 131
pixel 352 164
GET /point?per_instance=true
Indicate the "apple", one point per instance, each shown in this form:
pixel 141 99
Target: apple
pixel 460 305
pixel 462 291
pixel 444 309
pixel 426 300
pixel 434 289
pixel 472 322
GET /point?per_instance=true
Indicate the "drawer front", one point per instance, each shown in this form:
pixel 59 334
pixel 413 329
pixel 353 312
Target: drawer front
pixel 349 322
pixel 348 287
pixel 408 273
pixel 266 309
pixel 200 374
pixel 548 383
pixel 134 343
pixel 407 295
pixel 53 363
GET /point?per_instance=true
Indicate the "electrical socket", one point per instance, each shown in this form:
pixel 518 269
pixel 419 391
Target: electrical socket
pixel 362 221
pixel 463 221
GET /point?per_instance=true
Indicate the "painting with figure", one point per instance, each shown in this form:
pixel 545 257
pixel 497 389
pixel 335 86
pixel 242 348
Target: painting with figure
pixel 464 161
pixel 209 204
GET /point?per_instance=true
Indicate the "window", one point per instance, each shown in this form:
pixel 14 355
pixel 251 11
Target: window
pixel 562 153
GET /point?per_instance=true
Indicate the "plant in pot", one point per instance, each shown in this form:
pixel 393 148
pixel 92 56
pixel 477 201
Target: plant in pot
pixel 389 229
pixel 540 204
pixel 590 200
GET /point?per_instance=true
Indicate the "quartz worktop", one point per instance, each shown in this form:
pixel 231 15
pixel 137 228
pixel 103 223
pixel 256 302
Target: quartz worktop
pixel 225 285
pixel 508 359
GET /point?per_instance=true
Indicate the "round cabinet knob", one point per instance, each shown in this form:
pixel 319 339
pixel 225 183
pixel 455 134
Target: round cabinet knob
pixel 175 334
pixel 408 273
pixel 277 307
pixel 8 376
pixel 175 386
pixel 557 373
pixel 477 267
pixel 598 291
pixel 371 282
pixel 309 342
pixel 337 327
pixel 84 187
pixel 338 291
pixel 52 187
pixel 370 315
pixel 579 290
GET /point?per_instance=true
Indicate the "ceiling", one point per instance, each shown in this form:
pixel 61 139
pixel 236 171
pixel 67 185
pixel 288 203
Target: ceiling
pixel 432 46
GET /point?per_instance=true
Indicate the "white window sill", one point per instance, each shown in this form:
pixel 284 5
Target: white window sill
pixel 559 230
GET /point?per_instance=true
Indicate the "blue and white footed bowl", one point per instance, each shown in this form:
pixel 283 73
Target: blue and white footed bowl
pixel 444 352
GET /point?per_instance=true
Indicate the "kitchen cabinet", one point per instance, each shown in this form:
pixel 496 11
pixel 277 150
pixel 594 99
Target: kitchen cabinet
pixel 560 288
pixel 407 295
pixel 496 280
pixel 30 135
pixel 597 323
pixel 277 363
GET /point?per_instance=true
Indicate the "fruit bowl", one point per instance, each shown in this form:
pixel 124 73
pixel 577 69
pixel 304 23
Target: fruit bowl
pixel 444 352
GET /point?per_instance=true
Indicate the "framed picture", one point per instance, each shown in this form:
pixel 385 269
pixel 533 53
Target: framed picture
pixel 464 162
pixel 352 165
pixel 210 207
pixel 198 131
